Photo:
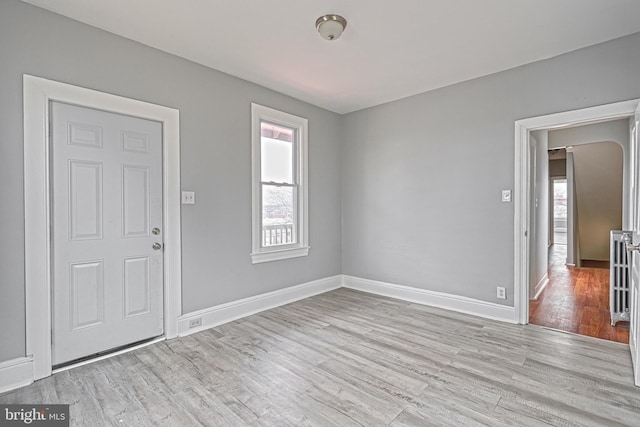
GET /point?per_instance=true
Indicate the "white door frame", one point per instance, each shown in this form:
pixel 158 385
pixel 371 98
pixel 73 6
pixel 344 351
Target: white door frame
pixel 522 210
pixel 38 93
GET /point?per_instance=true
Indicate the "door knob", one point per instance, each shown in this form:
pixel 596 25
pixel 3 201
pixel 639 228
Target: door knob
pixel 157 246
pixel 627 239
pixel 631 248
pixel 155 231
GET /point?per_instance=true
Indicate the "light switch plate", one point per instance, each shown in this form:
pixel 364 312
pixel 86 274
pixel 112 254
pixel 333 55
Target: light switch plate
pixel 188 198
pixel 506 195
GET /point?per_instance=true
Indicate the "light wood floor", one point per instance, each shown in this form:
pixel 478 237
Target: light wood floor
pixel 347 358
pixel 576 300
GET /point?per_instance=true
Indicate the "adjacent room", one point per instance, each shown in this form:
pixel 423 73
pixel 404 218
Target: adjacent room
pixel 587 168
pixel 319 213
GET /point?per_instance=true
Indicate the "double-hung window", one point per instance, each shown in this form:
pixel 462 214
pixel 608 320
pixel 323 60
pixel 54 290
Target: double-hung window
pixel 279 185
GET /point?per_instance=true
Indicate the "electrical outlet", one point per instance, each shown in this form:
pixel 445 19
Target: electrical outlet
pixel 194 323
pixel 501 292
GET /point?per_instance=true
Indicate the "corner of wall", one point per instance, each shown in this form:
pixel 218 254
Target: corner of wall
pixel 213 316
pixel 487 310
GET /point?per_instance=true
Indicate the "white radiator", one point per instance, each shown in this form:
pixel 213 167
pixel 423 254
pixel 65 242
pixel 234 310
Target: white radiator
pixel 619 279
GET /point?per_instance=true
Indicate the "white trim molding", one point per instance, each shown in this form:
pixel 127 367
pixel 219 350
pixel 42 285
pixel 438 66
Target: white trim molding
pixel 16 373
pixel 20 372
pixel 522 185
pixel 228 312
pixel 446 301
pixel 38 93
pixel 544 281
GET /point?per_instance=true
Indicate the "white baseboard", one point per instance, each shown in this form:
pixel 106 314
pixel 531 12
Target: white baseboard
pixel 457 303
pixel 540 286
pixel 19 372
pixel 234 310
pixel 16 373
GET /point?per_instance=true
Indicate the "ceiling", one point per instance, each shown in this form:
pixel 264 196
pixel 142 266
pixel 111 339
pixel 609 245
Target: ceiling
pixel 388 51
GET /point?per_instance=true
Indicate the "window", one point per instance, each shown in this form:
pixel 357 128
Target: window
pixel 279 185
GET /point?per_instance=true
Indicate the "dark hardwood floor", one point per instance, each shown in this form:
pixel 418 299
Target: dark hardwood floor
pixel 576 300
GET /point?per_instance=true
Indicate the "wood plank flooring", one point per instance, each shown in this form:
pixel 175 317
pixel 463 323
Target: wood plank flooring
pixel 576 300
pixel 348 358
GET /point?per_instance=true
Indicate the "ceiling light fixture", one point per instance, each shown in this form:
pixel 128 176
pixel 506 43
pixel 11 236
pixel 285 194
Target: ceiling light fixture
pixel 331 26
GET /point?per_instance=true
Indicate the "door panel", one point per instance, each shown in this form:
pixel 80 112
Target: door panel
pixel 85 201
pixel 136 286
pixel 106 177
pixel 86 294
pixel 135 201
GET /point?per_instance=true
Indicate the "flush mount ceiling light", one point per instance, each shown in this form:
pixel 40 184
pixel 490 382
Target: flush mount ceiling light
pixel 331 26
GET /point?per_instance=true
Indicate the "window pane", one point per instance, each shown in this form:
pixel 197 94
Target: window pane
pixel 560 199
pixel 278 215
pixel 560 211
pixel 276 153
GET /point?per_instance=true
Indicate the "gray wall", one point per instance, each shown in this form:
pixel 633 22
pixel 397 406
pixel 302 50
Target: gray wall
pixel 598 185
pixel 422 176
pixel 416 182
pixel 216 158
pixel 614 130
pixel 558 168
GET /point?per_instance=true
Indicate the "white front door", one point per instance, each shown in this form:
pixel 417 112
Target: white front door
pixel 106 258
pixel 634 326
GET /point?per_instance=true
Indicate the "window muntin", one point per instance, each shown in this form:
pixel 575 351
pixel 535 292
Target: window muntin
pixel 279 162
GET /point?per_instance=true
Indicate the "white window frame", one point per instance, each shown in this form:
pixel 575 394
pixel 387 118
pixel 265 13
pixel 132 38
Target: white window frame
pixel 259 253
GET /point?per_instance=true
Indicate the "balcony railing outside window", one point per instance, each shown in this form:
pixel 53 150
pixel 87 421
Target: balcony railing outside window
pixel 277 234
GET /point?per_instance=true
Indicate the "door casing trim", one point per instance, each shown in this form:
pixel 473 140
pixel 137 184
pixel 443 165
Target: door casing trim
pixel 38 92
pixel 522 210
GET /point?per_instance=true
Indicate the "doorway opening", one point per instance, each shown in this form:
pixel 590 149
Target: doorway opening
pixel 38 96
pixel 585 177
pixel 586 203
pixel 525 200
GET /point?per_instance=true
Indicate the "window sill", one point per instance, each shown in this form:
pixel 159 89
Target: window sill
pixel 277 255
